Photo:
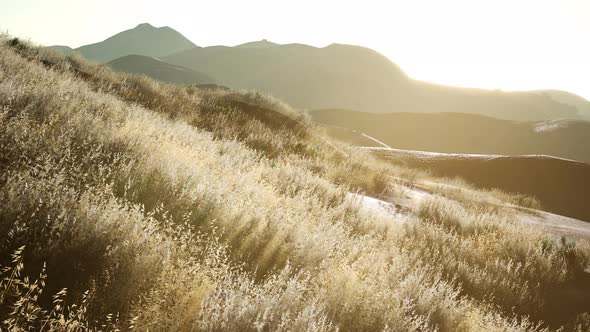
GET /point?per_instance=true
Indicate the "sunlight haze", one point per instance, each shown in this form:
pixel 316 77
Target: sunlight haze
pixel 508 45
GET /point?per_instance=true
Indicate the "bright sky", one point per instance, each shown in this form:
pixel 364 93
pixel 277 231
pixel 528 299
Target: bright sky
pixel 496 44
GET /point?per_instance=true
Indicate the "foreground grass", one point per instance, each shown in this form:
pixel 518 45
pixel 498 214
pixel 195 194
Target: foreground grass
pixel 147 206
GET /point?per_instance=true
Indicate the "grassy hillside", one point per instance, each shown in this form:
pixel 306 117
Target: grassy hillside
pixel 465 133
pixel 131 204
pixel 562 186
pixel 159 70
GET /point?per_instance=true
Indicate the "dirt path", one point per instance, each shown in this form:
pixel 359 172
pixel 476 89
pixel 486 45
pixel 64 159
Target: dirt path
pixel 376 141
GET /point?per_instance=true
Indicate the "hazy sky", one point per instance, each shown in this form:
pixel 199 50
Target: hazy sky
pixel 504 44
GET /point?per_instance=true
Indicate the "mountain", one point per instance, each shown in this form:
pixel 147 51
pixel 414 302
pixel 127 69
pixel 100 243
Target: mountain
pixel 144 39
pixel 568 98
pixel 517 105
pixel 462 133
pixel 353 77
pixel 336 76
pixel 157 69
pixel 562 186
pixel 302 75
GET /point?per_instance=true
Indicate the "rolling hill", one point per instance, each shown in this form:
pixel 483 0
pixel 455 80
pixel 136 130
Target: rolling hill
pixel 462 133
pixel 144 39
pixel 159 70
pixel 561 185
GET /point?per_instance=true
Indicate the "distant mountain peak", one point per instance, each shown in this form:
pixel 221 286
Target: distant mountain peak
pixel 145 26
pixel 144 39
pixel 263 43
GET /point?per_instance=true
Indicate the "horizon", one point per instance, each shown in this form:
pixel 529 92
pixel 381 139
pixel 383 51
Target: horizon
pixel 499 51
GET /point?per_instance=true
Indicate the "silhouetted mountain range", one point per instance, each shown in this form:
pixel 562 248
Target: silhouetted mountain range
pixel 336 76
pixel 356 78
pixel 139 64
pixel 462 133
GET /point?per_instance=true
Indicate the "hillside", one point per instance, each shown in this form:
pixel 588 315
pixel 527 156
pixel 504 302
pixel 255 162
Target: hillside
pixel 128 204
pixel 144 39
pixel 159 70
pixel 564 97
pixel 464 133
pixel 562 186
pixel 352 77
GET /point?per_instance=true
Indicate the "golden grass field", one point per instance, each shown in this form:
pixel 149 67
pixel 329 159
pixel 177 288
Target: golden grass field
pixel 128 204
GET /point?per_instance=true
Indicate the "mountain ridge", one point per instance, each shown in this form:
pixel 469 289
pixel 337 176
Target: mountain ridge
pixel 313 77
pixel 334 76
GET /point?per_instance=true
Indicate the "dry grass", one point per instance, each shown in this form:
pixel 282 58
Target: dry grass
pixel 166 208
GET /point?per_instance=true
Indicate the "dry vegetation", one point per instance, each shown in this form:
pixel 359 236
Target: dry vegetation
pixel 130 204
pixel 459 189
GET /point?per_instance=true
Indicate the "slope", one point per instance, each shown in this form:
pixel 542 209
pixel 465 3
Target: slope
pixel 465 133
pixel 562 186
pixel 159 70
pixel 564 97
pixel 159 207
